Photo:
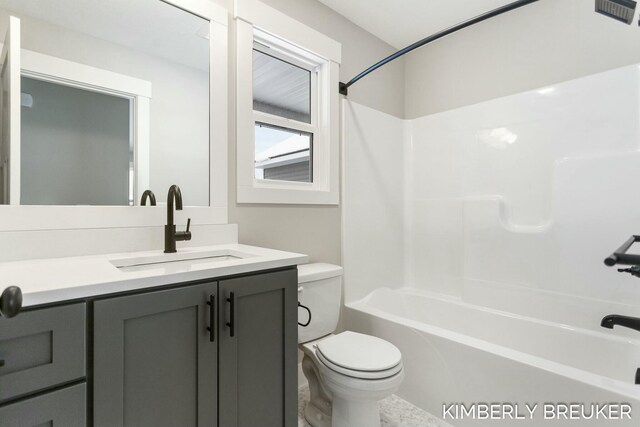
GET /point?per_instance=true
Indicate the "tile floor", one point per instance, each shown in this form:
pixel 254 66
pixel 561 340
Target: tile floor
pixel 394 412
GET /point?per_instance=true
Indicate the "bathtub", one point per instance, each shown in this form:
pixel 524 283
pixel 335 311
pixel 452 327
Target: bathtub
pixel 457 353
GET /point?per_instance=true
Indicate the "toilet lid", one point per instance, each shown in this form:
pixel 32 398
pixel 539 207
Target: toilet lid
pixel 359 352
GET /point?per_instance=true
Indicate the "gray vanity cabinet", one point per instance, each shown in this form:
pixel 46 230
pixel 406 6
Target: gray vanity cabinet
pixel 217 354
pixel 154 359
pixel 258 350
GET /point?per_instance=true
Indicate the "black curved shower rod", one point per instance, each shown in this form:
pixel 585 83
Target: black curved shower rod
pixel 488 15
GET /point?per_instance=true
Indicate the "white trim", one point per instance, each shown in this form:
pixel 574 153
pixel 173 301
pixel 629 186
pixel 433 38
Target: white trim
pixel 10 59
pixel 17 218
pixel 258 22
pixel 284 28
pixel 141 156
pixel 218 151
pixel 57 70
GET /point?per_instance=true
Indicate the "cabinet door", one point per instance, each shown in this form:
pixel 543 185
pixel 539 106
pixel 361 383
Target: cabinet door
pixel 258 350
pixel 66 407
pixel 154 359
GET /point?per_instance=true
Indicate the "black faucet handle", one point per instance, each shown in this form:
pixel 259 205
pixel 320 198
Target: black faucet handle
pixel 184 235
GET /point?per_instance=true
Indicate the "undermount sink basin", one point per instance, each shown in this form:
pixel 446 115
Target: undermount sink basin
pixel 178 261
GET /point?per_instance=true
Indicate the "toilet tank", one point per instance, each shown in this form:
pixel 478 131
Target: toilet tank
pixel 319 289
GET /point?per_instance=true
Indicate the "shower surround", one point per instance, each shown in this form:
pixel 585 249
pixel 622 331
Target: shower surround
pixel 497 217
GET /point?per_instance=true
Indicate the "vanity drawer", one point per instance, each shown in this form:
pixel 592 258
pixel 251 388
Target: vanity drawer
pixel 41 349
pixel 66 407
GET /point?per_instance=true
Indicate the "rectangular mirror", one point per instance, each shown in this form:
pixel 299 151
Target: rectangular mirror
pixel 114 100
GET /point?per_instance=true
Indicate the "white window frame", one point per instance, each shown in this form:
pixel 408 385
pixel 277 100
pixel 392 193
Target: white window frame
pixel 271 32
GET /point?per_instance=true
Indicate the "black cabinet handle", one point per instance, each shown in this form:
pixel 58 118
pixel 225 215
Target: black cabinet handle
pixel 1 363
pixel 212 317
pixel 232 314
pixel 11 302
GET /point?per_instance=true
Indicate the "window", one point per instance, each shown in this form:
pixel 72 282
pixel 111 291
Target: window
pixel 287 103
pixel 285 116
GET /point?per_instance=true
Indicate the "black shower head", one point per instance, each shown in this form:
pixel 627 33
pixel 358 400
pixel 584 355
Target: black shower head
pixel 621 10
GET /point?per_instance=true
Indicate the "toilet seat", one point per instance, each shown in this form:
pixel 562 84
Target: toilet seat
pixel 359 356
pixel 363 375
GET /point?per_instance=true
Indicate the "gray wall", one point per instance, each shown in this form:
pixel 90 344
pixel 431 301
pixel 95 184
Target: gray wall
pixel 74 147
pixel 541 44
pixel 315 230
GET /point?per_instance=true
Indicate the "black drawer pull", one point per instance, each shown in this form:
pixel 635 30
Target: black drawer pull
pixel 1 363
pixel 212 317
pixel 232 314
pixel 10 302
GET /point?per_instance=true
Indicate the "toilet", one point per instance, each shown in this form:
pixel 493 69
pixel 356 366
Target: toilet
pixel 349 372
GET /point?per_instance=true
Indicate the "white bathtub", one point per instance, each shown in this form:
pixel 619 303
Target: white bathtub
pixel 455 352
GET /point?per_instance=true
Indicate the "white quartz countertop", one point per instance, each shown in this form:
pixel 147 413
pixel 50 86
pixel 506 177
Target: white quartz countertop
pixel 46 281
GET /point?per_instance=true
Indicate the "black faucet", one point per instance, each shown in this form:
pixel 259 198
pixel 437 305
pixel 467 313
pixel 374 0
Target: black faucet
pixel 615 319
pixel 148 194
pixel 170 233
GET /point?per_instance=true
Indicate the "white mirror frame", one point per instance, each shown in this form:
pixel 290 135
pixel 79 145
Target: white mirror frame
pixel 35 217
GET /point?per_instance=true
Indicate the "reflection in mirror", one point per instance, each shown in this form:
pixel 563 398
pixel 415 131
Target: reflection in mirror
pixel 76 147
pixel 111 107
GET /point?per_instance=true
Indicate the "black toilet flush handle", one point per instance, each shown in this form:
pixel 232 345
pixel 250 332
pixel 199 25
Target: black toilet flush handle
pixel 304 325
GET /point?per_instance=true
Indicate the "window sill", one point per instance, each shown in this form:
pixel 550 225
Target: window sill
pixel 289 195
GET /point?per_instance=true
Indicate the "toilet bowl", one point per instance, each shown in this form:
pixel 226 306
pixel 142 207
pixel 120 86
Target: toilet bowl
pixel 349 372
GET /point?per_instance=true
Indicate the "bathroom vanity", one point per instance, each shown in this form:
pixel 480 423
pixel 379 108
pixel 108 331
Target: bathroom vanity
pixel 189 342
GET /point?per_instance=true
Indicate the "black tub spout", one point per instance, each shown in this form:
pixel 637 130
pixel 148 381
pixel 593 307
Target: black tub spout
pixel 626 321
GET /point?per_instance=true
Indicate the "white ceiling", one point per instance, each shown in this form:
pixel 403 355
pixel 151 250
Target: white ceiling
pixel 402 22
